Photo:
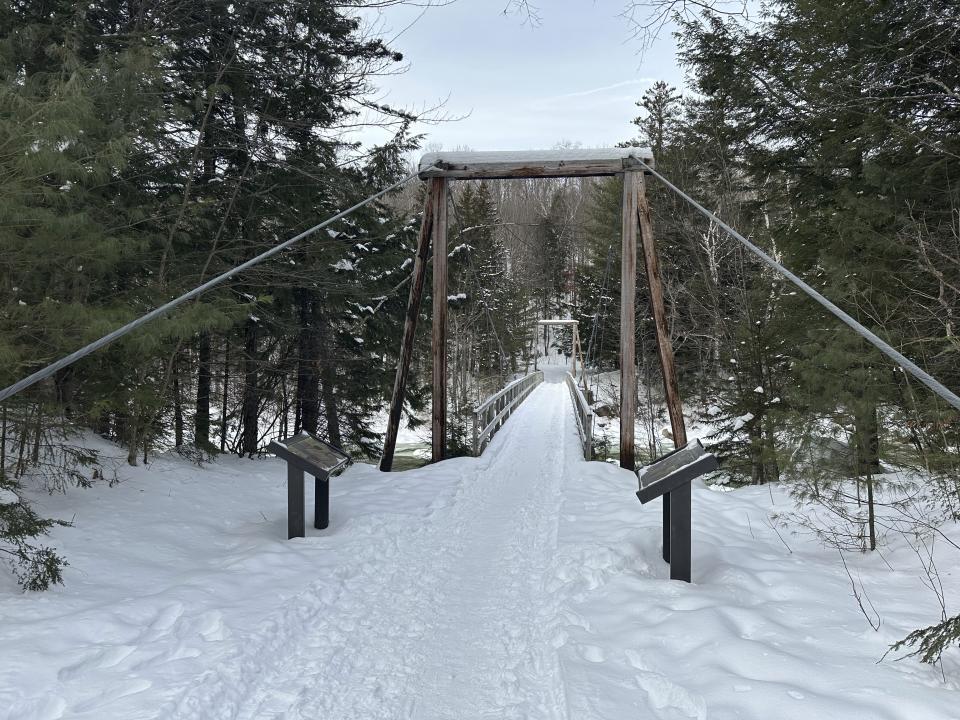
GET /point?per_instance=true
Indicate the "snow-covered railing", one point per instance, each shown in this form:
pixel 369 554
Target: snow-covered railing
pixel 490 415
pixel 584 417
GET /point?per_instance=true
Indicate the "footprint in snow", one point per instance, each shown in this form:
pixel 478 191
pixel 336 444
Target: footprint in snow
pixel 104 658
pixel 210 626
pixel 115 692
pixel 164 621
pixel 592 653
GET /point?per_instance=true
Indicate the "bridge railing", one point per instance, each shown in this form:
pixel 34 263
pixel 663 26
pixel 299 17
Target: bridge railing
pixel 490 415
pixel 584 415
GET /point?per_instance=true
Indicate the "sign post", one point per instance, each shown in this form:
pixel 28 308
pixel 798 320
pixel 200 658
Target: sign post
pixel 672 473
pixel 306 453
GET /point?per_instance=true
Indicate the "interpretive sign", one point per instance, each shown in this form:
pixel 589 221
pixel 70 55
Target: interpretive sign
pixel 675 469
pixel 306 453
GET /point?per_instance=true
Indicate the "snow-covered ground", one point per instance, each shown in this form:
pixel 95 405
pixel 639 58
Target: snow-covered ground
pixel 522 584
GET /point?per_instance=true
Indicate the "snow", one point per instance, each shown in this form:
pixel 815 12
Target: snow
pixel 525 583
pixel 741 421
pixel 8 497
pixel 758 389
pixel 458 296
pixel 343 264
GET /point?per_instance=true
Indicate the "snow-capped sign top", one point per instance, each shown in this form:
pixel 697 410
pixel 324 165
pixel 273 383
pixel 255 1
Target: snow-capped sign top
pixel 533 163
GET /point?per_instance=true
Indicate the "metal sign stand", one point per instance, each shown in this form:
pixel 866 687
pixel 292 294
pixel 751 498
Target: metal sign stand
pixel 671 473
pixel 306 453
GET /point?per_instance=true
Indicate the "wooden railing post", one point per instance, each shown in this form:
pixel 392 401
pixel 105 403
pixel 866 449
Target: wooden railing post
pixel 476 437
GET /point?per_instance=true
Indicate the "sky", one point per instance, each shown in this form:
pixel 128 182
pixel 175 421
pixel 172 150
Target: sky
pixel 573 77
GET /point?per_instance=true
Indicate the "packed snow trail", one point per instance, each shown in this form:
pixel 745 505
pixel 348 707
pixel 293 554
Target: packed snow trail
pixel 453 621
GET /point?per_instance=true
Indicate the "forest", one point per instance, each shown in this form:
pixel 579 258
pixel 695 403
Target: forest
pixel 146 146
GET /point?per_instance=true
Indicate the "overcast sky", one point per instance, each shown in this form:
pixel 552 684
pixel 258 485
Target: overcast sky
pixel 573 77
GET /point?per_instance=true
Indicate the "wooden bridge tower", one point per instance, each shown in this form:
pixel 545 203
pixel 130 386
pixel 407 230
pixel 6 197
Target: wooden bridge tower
pixel 438 169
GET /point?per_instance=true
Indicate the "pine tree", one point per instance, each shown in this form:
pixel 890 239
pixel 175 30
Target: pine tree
pixel 661 104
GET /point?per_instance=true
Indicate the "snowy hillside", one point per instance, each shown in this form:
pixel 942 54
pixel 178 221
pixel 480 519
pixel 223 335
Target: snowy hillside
pixel 522 584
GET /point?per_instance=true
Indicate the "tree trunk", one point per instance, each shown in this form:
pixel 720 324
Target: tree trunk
pixel 757 470
pixel 328 379
pixel 201 419
pixel 3 443
pixel 251 394
pixel 871 519
pixel 224 395
pixel 771 465
pixel 308 363
pixel 177 404
pixel 867 438
pixel 134 440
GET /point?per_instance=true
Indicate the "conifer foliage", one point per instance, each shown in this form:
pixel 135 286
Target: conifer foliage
pixel 146 147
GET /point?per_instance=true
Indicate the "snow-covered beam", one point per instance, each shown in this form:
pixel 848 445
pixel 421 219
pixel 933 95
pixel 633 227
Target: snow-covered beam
pixel 533 163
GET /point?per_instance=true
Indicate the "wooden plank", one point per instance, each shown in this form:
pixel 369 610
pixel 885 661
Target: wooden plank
pixel 409 330
pixel 676 508
pixel 439 343
pixel 533 164
pixel 628 341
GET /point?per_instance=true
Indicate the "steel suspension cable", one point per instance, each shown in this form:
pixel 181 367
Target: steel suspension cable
pixel 883 346
pixel 196 292
pixel 600 303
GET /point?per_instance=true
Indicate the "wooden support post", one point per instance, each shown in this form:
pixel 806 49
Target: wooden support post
pixel 628 292
pixel 573 350
pixel 676 540
pixel 296 524
pixel 439 345
pixel 409 328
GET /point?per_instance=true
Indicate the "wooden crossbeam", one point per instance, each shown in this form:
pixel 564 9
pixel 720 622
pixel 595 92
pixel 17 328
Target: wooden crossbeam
pixel 502 165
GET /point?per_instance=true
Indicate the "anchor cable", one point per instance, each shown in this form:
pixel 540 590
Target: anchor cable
pixel 883 346
pixel 197 291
